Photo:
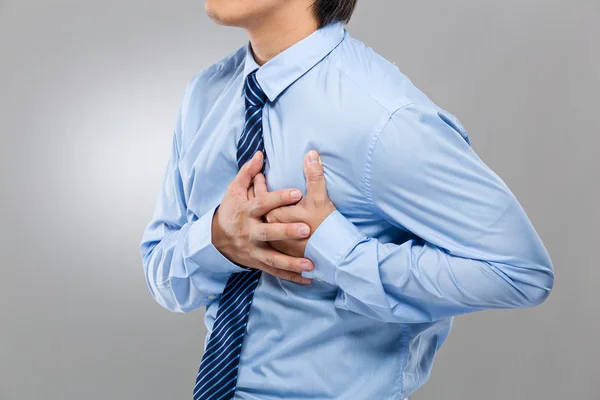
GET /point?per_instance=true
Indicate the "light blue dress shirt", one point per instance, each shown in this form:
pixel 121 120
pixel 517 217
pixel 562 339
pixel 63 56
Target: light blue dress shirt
pixel 423 231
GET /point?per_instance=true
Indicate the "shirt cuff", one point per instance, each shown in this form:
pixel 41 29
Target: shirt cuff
pixel 200 249
pixel 329 244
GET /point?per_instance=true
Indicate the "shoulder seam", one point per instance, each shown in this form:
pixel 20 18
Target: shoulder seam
pixel 356 83
pixel 390 110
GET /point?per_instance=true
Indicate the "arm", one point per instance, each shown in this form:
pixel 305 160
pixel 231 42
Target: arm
pixel 472 247
pixel 182 266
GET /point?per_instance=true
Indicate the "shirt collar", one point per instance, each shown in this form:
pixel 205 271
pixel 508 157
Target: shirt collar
pixel 281 71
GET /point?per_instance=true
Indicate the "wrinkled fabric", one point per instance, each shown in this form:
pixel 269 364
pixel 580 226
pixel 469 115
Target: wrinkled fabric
pixel 423 230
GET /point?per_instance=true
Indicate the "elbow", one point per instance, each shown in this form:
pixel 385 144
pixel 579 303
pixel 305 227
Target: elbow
pixel 538 294
pixel 536 289
pixel 160 289
pixel 164 296
pixel 162 293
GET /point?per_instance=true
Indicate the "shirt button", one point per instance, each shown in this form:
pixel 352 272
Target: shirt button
pixel 212 297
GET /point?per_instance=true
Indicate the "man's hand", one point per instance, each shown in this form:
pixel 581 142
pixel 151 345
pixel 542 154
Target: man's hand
pixel 240 234
pixel 312 209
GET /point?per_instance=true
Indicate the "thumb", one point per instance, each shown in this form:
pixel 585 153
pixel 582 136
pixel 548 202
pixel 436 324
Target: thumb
pixel 315 176
pixel 248 171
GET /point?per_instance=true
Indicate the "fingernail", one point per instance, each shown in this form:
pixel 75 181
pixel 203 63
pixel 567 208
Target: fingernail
pixel 306 266
pixel 313 156
pixel 304 230
pixel 296 194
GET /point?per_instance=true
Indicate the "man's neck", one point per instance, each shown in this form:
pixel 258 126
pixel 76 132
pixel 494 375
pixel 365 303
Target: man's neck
pixel 273 35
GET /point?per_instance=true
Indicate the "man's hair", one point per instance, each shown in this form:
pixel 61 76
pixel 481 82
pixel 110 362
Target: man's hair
pixel 328 11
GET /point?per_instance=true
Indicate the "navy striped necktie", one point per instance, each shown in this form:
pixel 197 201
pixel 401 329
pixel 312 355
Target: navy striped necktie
pixel 216 379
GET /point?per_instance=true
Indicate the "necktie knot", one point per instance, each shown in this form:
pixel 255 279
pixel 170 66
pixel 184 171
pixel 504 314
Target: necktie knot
pixel 255 96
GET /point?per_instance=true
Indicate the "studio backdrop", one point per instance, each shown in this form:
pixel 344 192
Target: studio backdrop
pixel 89 92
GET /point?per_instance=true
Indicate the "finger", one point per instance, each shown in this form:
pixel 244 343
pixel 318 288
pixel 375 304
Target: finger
pixel 286 214
pixel 279 231
pixel 270 200
pixel 271 257
pixel 315 176
pixel 244 177
pixel 287 275
pixel 276 216
pixel 260 184
pixel 251 194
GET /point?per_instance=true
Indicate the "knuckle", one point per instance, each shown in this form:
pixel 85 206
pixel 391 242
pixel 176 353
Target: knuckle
pixel 248 235
pixel 315 174
pixel 272 216
pixel 263 234
pixel 291 231
pixel 270 260
pixel 284 196
pixel 244 235
pixel 259 202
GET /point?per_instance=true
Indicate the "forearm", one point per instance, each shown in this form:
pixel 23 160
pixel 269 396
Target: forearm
pixel 416 281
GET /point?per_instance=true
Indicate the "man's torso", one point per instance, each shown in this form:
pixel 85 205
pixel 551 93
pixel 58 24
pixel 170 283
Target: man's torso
pixel 300 341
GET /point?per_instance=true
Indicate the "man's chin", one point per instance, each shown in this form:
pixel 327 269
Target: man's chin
pixel 221 19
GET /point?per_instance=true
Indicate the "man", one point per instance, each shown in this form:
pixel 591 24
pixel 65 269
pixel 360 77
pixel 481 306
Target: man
pixel 344 288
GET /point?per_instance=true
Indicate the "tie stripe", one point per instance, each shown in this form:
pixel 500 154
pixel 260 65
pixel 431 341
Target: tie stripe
pixel 217 375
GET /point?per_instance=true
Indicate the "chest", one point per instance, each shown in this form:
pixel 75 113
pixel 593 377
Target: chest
pixel 289 132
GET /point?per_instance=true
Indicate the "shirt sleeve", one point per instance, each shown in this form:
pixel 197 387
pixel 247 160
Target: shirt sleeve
pixel 471 246
pixel 183 269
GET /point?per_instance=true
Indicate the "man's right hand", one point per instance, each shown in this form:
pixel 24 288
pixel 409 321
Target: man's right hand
pixel 241 235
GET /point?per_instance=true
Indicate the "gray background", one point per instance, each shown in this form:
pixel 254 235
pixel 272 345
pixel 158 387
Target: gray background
pixel 88 96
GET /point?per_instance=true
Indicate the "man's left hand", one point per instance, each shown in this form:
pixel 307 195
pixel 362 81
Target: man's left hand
pixel 312 209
